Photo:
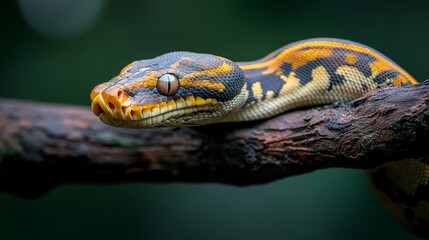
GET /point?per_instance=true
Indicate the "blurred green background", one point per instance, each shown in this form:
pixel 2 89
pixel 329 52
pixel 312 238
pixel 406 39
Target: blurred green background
pixel 56 51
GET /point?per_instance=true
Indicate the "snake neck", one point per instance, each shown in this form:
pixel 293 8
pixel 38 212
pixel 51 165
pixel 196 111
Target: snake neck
pixel 311 73
pixel 267 94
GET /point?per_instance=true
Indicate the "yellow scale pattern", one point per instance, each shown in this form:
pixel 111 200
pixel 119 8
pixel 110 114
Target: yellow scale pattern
pixel 317 90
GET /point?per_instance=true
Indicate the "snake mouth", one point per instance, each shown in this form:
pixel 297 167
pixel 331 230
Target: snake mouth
pixel 123 113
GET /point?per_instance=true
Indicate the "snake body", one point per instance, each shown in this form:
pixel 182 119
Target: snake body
pixel 185 88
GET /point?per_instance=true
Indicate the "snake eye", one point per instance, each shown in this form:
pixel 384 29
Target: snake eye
pixel 168 84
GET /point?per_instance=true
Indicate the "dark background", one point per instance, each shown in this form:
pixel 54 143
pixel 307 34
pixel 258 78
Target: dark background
pixel 56 51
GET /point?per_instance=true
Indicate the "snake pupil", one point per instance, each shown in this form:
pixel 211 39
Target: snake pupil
pixel 168 84
pixel 169 87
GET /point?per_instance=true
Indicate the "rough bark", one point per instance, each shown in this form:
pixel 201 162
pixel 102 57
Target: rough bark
pixel 44 145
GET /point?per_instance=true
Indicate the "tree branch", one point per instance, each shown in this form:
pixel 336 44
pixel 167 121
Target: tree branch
pixel 44 145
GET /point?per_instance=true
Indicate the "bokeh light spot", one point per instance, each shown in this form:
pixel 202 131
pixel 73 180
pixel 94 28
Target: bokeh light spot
pixel 61 18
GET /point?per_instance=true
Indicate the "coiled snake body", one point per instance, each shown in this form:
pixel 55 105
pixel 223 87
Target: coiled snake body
pixel 185 88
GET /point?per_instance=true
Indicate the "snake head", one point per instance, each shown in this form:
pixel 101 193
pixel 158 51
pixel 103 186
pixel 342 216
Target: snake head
pixel 174 89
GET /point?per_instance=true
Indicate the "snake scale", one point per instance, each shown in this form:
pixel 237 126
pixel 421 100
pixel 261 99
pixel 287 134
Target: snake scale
pixel 185 88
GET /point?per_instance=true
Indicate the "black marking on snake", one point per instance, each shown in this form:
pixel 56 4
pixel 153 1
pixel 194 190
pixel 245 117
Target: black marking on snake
pixel 131 93
pixel 286 68
pixel 269 82
pixel 332 63
pixel 383 76
pixel 386 185
pixel 206 93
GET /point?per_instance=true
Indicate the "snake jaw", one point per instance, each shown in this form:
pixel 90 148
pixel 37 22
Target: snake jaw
pixel 115 107
pixel 122 112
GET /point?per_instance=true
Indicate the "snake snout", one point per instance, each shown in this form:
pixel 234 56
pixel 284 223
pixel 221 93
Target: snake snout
pixel 110 100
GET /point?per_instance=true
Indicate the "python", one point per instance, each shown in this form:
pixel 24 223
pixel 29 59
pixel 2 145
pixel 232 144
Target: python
pixel 188 89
